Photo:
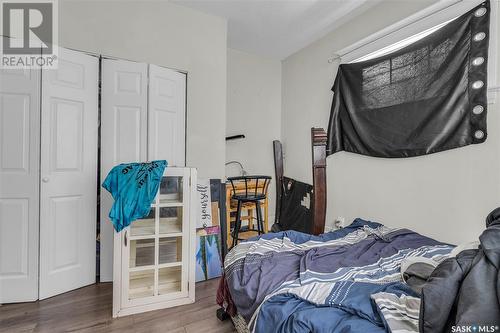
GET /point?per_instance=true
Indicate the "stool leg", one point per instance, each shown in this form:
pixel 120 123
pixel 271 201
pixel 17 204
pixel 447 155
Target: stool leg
pixel 229 237
pixel 266 214
pixel 237 224
pixel 257 217
pixel 264 223
pixel 250 218
pixel 260 228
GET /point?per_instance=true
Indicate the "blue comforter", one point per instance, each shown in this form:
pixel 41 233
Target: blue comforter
pixel 294 282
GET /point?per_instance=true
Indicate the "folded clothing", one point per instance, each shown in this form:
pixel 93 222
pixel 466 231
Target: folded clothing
pixel 416 270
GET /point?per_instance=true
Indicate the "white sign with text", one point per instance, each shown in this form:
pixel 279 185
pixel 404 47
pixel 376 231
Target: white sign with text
pixel 204 202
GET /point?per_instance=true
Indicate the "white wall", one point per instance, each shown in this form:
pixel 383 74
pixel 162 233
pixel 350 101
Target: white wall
pixel 164 34
pixel 169 35
pixel 445 195
pixel 253 109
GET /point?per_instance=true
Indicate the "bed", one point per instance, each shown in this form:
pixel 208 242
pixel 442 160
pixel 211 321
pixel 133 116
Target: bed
pixel 347 280
pixel 337 282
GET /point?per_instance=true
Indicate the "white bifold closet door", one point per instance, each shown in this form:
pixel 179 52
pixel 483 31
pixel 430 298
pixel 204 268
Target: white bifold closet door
pixel 143 115
pixel 68 171
pixel 19 184
pixel 167 110
pixel 124 121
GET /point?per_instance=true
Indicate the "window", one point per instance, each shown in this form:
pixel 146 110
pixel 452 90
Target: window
pixel 414 28
pixel 399 45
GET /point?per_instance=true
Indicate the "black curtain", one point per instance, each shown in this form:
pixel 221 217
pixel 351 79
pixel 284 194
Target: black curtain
pixel 427 97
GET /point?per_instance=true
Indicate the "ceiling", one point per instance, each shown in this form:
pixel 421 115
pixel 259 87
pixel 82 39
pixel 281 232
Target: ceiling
pixel 278 28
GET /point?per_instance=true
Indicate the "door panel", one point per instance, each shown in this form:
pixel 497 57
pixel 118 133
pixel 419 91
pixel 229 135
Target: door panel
pixel 68 198
pixel 19 184
pixel 167 115
pixel 67 135
pixel 67 214
pixel 123 135
pixel 15 265
pixel 15 132
pixel 127 143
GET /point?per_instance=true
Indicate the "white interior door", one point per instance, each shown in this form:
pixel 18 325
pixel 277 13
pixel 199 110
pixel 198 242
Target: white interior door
pixel 123 135
pixel 68 197
pixel 19 184
pixel 167 115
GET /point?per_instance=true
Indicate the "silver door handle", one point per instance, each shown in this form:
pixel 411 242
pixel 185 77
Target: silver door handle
pixel 45 179
pixel 125 240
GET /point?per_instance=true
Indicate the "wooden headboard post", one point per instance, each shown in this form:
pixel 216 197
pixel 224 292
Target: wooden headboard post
pixel 278 169
pixel 318 200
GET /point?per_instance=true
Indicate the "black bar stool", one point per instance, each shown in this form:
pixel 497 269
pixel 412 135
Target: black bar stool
pixel 248 189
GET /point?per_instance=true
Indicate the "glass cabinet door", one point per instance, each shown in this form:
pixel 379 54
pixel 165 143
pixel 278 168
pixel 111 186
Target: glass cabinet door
pixel 156 246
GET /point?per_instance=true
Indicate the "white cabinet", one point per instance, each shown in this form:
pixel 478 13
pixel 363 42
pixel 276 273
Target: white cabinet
pixel 154 257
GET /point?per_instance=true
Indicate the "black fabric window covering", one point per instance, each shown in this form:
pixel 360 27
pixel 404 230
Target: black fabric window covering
pixel 427 97
pixel 293 215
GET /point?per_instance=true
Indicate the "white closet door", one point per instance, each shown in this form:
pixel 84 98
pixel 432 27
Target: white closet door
pixel 167 115
pixel 19 184
pixel 123 135
pixel 68 196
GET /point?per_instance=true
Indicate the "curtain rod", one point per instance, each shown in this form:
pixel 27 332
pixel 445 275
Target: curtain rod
pixel 421 15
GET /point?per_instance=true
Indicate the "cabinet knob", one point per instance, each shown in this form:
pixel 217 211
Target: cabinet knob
pixel 45 179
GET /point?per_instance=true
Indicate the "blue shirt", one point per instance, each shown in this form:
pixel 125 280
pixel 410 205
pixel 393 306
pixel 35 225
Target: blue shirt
pixel 133 187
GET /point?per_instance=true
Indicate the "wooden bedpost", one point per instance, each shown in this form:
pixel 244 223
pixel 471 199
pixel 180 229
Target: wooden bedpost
pixel 278 169
pixel 318 200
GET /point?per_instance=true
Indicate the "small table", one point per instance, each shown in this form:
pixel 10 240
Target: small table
pixel 230 208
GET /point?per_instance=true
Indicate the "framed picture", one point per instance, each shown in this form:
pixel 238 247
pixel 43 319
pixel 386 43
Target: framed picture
pixel 208 253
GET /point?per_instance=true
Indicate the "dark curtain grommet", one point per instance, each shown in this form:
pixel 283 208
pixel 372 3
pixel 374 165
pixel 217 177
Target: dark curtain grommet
pixel 478 109
pixel 479 135
pixel 479 36
pixel 480 12
pixel 477 84
pixel 478 61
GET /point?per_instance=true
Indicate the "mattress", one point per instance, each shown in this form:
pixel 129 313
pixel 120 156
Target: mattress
pixel 291 281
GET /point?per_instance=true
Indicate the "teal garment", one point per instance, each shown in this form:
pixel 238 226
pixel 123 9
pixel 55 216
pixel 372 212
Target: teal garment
pixel 134 187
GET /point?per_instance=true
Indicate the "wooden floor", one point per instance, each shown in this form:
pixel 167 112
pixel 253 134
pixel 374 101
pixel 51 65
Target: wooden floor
pixel 89 310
